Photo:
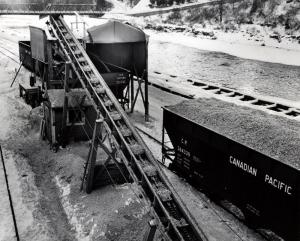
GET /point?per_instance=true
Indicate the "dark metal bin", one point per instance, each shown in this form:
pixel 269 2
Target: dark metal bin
pixel 25 55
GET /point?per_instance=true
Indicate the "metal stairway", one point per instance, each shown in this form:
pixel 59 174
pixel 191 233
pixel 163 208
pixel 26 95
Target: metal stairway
pixel 175 219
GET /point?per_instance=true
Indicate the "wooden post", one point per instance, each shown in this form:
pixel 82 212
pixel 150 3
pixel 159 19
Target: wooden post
pixel 146 98
pixel 163 142
pixel 92 156
pixel 146 87
pixel 49 65
pixel 64 138
pixel 132 91
pixel 221 3
pixel 149 235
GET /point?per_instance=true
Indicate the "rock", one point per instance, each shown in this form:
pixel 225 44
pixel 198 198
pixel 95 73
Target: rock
pixel 276 36
pixel 149 26
pixel 159 28
pixel 208 33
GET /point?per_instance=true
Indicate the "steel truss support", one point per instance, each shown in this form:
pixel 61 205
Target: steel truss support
pixel 111 169
pixel 168 152
pixel 66 104
pixel 144 94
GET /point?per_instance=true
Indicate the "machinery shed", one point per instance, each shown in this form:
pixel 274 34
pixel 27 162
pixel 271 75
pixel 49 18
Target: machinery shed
pixel 80 116
pixel 119 44
pixel 243 155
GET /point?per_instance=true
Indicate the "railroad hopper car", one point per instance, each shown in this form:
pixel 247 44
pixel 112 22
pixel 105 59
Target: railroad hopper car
pixel 39 5
pixel 119 52
pixel 242 155
pixel 25 55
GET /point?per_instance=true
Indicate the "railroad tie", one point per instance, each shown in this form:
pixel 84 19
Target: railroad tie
pixel 87 68
pixel 100 90
pixel 126 132
pixel 68 36
pixel 137 149
pixel 77 52
pixel 164 194
pixel 180 223
pixel 72 45
pixel 150 170
pixel 115 116
pixel 81 59
pixel 108 103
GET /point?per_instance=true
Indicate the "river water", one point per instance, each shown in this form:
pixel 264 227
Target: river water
pixel 249 76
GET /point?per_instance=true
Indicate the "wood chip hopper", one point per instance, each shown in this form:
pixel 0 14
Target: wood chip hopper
pixel 120 53
pixel 240 154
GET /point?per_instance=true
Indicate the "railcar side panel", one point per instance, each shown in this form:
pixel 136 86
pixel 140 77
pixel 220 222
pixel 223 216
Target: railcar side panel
pixel 266 190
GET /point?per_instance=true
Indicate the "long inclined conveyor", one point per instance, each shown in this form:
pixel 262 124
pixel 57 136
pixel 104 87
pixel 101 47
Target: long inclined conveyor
pixel 176 220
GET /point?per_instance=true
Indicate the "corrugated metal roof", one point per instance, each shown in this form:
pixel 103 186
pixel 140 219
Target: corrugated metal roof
pixel 56 98
pixel 116 32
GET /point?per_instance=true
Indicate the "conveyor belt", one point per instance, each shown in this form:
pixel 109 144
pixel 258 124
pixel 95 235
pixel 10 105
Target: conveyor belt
pixel 144 169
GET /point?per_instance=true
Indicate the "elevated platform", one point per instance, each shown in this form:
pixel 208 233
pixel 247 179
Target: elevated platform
pixel 49 12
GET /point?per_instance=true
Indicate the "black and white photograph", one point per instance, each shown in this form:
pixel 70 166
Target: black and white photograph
pixel 150 120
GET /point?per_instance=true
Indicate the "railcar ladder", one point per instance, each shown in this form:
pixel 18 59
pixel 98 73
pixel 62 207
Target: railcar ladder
pixel 168 208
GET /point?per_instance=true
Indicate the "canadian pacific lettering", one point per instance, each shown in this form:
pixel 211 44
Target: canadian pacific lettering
pixel 278 184
pixel 274 182
pixel 244 166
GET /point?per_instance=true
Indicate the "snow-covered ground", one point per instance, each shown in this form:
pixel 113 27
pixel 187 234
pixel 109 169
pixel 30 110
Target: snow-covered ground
pixel 235 44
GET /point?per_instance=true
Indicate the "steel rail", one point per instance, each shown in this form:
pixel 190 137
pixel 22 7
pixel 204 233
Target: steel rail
pixel 9 196
pixel 265 103
pixel 11 58
pixel 173 214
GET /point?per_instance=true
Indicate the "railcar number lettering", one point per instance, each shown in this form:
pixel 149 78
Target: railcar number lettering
pixel 183 151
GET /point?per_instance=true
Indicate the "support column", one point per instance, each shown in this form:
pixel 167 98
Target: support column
pixel 146 98
pixel 149 235
pixel 90 168
pixel 132 91
pixel 64 135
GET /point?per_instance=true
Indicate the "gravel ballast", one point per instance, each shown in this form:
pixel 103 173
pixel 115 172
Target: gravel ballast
pixel 275 136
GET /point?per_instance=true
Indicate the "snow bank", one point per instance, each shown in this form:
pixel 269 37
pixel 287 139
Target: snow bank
pixel 236 48
pixel 71 211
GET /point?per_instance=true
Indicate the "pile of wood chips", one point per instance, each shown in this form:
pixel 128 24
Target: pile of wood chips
pixel 272 135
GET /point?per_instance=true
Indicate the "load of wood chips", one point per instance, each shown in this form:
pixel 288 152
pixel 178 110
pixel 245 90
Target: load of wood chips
pixel 275 136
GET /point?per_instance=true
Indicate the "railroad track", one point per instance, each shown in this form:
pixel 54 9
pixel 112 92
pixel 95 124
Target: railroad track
pixel 5 49
pixel 9 54
pixel 230 94
pixel 9 195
